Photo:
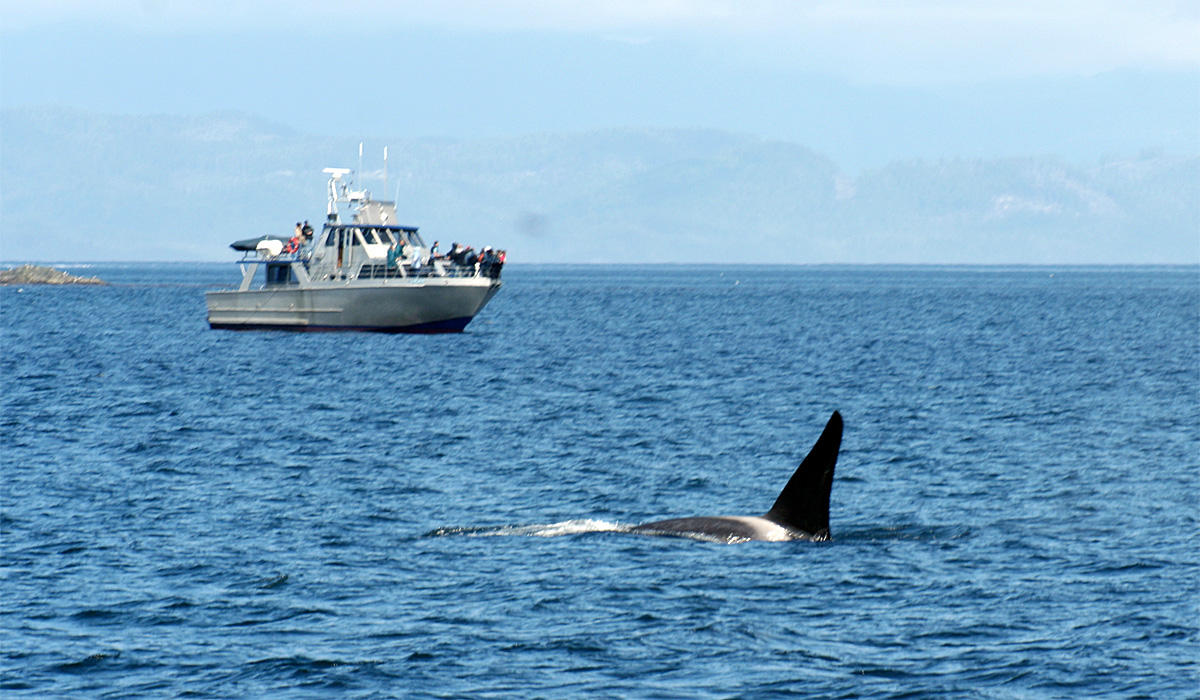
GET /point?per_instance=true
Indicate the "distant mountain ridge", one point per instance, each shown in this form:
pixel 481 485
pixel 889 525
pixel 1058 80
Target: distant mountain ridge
pixel 84 186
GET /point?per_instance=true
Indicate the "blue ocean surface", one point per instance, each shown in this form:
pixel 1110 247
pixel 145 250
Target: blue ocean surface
pixel 1016 508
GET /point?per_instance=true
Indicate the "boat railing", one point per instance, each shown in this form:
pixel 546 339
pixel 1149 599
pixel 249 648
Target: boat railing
pixel 453 270
pixel 382 271
pixel 251 256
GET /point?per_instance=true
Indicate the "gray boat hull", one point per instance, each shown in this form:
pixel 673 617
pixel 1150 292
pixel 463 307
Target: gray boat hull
pixel 431 305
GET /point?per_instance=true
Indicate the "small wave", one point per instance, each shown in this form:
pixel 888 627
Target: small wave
pixel 919 533
pixel 87 663
pixel 272 618
pixel 274 582
pixel 92 614
pixel 301 665
pixel 559 529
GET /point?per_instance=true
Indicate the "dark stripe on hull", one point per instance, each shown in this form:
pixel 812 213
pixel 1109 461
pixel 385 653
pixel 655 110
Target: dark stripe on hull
pixel 454 325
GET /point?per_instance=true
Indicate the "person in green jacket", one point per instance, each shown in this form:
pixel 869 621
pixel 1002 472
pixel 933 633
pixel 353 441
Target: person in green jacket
pixel 395 254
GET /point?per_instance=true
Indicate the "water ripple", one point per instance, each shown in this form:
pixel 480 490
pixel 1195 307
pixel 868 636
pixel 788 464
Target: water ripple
pixel 194 513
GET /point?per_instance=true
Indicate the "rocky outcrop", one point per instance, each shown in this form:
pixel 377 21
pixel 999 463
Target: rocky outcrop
pixel 36 274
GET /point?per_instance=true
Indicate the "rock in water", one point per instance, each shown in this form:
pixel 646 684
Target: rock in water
pixel 36 274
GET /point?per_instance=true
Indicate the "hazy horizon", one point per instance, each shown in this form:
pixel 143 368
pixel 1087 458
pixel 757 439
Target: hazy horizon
pixel 864 84
pixel 861 81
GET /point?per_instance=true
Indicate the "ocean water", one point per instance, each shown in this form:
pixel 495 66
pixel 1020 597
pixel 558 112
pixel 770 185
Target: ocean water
pixel 188 512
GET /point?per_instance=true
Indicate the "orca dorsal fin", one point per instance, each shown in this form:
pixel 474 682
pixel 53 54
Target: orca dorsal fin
pixel 803 505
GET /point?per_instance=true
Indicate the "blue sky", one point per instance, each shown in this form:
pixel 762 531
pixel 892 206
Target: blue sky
pixel 864 82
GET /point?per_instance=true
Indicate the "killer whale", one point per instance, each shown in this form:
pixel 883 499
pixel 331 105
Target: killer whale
pixel 800 512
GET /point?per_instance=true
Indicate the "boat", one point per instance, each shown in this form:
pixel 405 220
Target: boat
pixel 367 274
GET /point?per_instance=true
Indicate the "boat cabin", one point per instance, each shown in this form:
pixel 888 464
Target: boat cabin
pixel 373 240
pixel 359 250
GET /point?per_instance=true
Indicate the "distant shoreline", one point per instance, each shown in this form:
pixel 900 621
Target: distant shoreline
pixel 39 274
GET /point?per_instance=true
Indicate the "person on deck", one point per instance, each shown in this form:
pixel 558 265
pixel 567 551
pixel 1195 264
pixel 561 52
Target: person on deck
pixel 395 254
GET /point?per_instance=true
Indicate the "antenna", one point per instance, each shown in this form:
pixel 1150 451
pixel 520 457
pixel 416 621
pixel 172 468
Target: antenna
pixel 335 179
pixel 359 174
pixel 385 171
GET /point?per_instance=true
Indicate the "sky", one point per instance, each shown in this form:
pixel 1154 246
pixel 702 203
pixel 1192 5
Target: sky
pixel 864 81
pixel 907 42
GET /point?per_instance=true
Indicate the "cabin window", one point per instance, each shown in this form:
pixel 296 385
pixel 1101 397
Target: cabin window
pixel 279 274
